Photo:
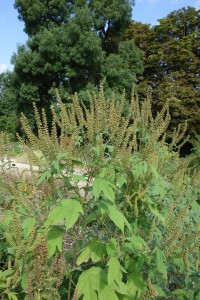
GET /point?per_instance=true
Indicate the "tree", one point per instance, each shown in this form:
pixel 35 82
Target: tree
pixel 172 60
pixel 71 44
pixel 8 118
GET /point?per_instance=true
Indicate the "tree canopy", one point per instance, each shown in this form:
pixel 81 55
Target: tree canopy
pixel 172 60
pixel 72 44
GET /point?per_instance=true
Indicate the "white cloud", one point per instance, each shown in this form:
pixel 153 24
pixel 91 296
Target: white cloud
pixel 3 68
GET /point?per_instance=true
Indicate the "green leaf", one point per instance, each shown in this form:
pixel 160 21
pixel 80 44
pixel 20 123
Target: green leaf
pixel 68 210
pixel 159 290
pixel 12 296
pixel 54 240
pixel 180 292
pixel 89 283
pixel 27 226
pixel 7 273
pixel 154 171
pixel 156 213
pixel 107 293
pixel 95 251
pixel 102 185
pixel 72 209
pixel 24 280
pixel 137 243
pixel 43 176
pixel 160 263
pixel 111 247
pixel 114 269
pixel 139 169
pixel 135 284
pixel 55 164
pixel 114 214
pixel 77 177
pixel 55 216
pixel 121 180
pixel 92 282
pixel 84 256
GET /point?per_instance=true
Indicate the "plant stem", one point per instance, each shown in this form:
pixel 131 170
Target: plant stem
pixel 69 286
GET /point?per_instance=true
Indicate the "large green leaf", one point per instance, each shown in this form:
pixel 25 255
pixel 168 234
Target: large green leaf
pixel 135 284
pixel 95 251
pixel 54 239
pixel 107 293
pixel 114 214
pixel 103 185
pixel 89 283
pixel 27 226
pixel 114 269
pixel 55 216
pixel 72 208
pixel 92 285
pixel 68 210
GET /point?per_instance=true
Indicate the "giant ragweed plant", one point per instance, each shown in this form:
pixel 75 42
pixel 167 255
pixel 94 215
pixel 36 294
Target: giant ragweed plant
pixel 115 214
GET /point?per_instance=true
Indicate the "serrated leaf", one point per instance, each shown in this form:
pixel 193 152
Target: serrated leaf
pixel 89 283
pixel 27 226
pixel 68 210
pixel 160 263
pixel 135 284
pixel 95 251
pixel 43 176
pixel 54 240
pixel 107 293
pixel 55 216
pixel 92 282
pixel 84 256
pixel 109 193
pixel 72 209
pixel 114 214
pixel 137 243
pixel 114 269
pixel 154 171
pixel 156 213
pixel 102 185
pixel 12 296
pixel 111 247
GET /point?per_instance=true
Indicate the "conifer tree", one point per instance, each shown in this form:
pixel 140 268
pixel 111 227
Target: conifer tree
pixel 72 44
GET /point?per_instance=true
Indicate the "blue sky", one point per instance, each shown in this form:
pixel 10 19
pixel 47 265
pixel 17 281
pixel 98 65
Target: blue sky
pixel 11 29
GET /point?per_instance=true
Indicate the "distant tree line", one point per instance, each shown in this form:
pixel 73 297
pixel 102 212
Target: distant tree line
pixel 73 45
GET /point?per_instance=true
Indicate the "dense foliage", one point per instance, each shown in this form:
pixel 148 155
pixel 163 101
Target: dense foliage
pixel 72 44
pixel 112 212
pixel 172 59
